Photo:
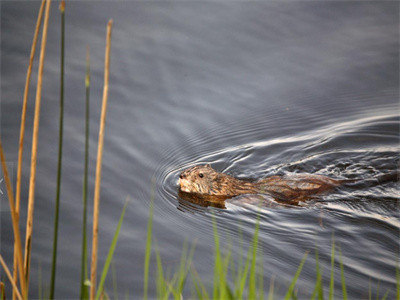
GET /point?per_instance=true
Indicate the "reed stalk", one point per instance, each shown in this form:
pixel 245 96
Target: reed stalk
pixel 14 285
pixel 148 245
pixel 59 166
pixel 17 236
pixel 22 130
pixel 84 274
pixel 2 291
pixel 93 272
pixel 32 180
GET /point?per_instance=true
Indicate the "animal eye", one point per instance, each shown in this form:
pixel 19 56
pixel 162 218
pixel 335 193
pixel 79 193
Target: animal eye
pixel 201 175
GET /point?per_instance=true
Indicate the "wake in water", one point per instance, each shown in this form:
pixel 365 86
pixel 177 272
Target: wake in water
pixel 347 151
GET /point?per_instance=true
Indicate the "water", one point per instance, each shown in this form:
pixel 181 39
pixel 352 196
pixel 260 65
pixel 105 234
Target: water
pixel 255 89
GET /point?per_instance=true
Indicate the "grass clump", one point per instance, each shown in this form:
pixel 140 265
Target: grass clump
pixel 241 280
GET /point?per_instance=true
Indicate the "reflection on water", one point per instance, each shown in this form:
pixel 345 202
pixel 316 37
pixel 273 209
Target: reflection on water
pixel 255 89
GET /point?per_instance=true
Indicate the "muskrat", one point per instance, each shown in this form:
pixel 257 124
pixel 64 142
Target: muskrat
pixel 204 181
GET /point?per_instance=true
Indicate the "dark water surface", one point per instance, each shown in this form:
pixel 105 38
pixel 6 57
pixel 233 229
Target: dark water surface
pixel 255 89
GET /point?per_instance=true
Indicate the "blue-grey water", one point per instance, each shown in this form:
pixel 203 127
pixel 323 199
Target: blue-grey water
pixel 255 89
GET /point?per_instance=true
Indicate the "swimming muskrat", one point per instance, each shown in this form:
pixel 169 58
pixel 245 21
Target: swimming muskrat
pixel 204 181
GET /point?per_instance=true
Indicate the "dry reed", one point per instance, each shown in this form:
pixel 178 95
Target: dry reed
pixel 93 272
pixel 2 290
pixel 17 237
pixel 7 271
pixel 31 198
pixel 22 130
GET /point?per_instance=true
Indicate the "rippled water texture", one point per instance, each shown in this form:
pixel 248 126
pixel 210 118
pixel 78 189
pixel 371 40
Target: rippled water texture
pixel 255 89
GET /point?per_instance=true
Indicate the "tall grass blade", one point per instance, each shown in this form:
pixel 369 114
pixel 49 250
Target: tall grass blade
pixel 199 292
pixel 22 130
pixel 332 280
pixel 2 291
pixel 59 166
pixel 369 290
pixel 223 284
pixel 162 292
pixel 93 271
pixel 200 288
pixel 32 179
pixel 7 271
pixel 110 253
pixel 318 285
pixel 344 291
pixel 148 246
pixel 114 280
pixel 15 225
pixel 245 271
pixel 296 276
pixel 182 270
pixel 252 275
pixel 84 292
pixel 385 295
pixel 244 275
pixel 178 281
pixel 186 262
pixel 377 292
pixel 217 262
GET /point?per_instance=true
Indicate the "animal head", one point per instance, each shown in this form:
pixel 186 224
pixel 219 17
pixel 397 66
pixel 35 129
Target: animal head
pixel 202 179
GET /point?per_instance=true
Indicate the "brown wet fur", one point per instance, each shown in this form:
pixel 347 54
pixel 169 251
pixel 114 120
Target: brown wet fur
pixel 205 182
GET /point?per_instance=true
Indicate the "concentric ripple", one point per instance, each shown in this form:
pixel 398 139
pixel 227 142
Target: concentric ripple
pixel 362 149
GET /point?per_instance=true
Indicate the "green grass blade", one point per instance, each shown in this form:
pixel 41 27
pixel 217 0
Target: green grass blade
pixel 114 280
pixel 344 291
pixel 245 271
pixel 377 292
pixel 161 280
pixel 223 285
pixel 369 290
pixel 217 262
pixel 60 143
pixel 186 260
pixel 385 295
pixel 332 280
pixel 244 275
pixel 110 254
pixel 296 276
pixel 252 275
pixel 318 285
pixel 198 290
pixel 197 281
pixel 84 292
pixel 148 245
